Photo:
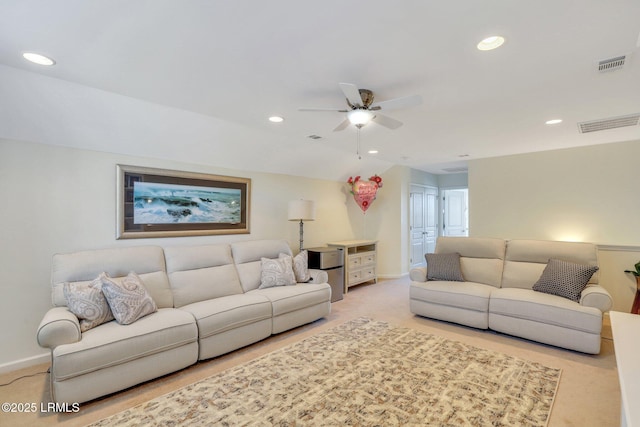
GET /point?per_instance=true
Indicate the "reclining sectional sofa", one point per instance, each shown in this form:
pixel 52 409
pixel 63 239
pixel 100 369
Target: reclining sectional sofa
pixel 208 300
pixel 497 291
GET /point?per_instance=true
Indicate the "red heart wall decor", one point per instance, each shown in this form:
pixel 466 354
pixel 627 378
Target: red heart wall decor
pixel 364 192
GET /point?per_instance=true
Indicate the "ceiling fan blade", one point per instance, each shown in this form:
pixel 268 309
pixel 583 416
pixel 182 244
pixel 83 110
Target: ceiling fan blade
pixel 387 121
pixel 352 93
pixel 336 110
pixel 397 103
pixel 342 126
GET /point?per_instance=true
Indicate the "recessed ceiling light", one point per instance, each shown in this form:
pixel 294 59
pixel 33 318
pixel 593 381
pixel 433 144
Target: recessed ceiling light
pixel 491 43
pixel 36 58
pixel 553 121
pixel 373 151
pixel 276 119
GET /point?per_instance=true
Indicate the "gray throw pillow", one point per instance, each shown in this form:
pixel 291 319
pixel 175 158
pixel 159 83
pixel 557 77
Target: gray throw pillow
pixel 88 303
pixel 128 298
pixel 276 272
pixel 444 267
pixel 565 279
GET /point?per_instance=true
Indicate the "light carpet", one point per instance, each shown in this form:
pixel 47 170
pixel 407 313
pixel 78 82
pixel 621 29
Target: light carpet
pixel 363 373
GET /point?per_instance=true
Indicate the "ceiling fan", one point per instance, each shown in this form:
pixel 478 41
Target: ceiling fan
pixel 362 110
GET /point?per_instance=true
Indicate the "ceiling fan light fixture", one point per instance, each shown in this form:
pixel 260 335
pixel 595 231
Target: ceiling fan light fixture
pixel 491 43
pixel 359 116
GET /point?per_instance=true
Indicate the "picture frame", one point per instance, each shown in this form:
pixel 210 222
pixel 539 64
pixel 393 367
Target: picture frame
pixel 154 202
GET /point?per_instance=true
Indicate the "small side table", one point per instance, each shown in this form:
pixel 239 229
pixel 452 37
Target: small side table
pixel 359 261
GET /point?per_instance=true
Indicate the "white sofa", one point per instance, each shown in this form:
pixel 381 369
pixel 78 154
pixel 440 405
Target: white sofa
pixel 208 304
pixel 497 292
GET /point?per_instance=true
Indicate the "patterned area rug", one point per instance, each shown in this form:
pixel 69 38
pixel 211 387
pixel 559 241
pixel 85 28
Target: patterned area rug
pixel 363 373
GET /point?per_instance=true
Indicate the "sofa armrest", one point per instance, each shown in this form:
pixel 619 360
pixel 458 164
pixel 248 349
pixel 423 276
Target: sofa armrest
pixel 58 326
pixel 596 296
pixel 418 274
pixel 318 276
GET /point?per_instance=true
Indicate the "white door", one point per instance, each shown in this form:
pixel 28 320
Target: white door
pixel 455 212
pixel 423 222
pixel 431 229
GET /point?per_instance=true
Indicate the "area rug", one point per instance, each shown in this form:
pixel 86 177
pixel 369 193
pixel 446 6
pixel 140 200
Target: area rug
pixel 363 373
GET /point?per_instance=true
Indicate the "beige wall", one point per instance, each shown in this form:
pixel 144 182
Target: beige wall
pixel 583 194
pixel 386 221
pixel 389 222
pixel 57 199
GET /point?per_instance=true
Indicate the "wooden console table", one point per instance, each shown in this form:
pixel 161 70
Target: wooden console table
pixel 626 330
pixel 359 261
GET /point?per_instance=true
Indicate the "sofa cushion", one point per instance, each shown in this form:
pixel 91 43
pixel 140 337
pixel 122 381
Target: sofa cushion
pixel 247 256
pixel 127 298
pixel 544 308
pixel 564 278
pixel 444 267
pixel 276 272
pixel 84 266
pixel 525 260
pixel 467 295
pixel 88 303
pixel 112 344
pixel 286 299
pixel 199 273
pixel 481 259
pixel 226 313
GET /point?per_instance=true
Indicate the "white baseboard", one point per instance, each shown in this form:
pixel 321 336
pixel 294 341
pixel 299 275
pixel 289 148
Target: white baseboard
pixel 392 276
pixel 25 363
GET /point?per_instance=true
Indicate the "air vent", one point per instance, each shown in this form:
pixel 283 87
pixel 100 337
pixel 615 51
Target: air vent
pixel 314 137
pixel 456 170
pixel 611 64
pixel 611 123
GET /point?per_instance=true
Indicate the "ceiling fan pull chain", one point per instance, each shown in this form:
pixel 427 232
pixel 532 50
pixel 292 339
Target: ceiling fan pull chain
pixel 358 142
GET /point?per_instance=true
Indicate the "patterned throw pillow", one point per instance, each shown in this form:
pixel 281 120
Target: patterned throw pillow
pixel 565 279
pixel 444 267
pixel 128 298
pixel 300 266
pixel 88 303
pixel 277 272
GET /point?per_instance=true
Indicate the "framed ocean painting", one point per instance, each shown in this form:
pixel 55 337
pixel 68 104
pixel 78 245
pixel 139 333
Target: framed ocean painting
pixel 166 203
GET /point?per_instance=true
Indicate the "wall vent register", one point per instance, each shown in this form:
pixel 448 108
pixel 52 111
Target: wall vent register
pixel 610 123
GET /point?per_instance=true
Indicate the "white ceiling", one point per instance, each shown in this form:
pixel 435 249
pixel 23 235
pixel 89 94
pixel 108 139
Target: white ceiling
pixel 196 80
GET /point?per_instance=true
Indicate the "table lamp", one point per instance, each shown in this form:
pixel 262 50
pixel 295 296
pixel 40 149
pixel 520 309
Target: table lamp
pixel 302 210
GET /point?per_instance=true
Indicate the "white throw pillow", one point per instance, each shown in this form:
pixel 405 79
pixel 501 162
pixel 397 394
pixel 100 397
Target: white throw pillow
pixel 128 298
pixel 300 266
pixel 88 303
pixel 276 272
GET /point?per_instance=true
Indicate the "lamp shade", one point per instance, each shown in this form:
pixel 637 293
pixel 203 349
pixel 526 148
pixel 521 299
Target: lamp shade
pixel 302 210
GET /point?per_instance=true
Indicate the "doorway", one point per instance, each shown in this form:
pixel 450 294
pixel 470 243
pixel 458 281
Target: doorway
pixel 423 222
pixel 455 212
